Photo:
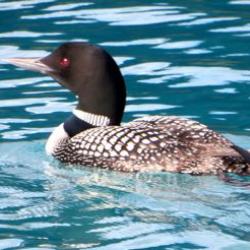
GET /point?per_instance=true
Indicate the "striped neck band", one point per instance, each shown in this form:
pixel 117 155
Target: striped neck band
pixel 93 119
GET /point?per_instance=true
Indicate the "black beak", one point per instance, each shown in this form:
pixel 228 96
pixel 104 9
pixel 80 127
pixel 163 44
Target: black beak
pixel 33 64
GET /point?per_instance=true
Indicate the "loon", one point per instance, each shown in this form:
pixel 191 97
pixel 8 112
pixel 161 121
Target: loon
pixel 94 136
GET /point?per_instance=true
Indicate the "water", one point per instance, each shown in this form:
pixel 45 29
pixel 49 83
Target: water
pixel 189 58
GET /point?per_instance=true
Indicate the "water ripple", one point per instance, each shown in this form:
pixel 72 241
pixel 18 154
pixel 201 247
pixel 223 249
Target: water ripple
pixel 25 34
pixel 179 45
pixel 142 15
pixel 17 82
pixel 241 2
pixel 149 41
pixel 18 5
pixel 199 76
pixel 187 58
pixel 65 7
pixel 243 28
pixel 10 243
pixel 208 20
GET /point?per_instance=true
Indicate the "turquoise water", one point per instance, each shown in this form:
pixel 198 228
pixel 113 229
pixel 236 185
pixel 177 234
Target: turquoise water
pixel 189 58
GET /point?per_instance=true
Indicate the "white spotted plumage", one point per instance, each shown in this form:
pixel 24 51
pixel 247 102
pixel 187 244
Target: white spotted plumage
pixel 152 144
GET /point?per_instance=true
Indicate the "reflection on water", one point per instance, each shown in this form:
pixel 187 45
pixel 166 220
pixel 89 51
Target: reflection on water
pixel 187 58
pixel 100 209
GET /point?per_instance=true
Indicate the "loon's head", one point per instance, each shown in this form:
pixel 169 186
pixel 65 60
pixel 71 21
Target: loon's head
pixel 89 72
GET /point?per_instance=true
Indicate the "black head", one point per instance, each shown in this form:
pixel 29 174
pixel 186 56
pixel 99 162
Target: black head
pixel 89 72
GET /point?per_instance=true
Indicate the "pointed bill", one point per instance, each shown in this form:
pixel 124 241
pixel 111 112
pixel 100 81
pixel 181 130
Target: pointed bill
pixel 33 64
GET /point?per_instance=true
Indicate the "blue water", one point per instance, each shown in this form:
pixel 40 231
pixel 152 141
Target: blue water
pixel 188 58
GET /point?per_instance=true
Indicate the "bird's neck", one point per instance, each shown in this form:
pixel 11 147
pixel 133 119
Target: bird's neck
pixel 82 120
pixel 78 122
pixel 102 92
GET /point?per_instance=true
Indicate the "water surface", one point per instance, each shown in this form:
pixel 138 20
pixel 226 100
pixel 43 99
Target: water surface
pixel 186 58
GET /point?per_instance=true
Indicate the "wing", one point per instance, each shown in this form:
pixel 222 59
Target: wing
pixel 183 129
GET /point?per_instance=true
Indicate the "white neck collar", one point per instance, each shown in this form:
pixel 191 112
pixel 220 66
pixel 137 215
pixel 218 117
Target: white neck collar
pixel 93 119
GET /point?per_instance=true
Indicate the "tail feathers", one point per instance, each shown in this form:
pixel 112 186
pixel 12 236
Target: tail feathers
pixel 243 152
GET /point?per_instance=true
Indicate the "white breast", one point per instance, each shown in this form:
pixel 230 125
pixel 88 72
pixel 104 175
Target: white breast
pixel 58 136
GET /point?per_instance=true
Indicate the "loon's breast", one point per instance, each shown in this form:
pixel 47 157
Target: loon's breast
pixel 154 143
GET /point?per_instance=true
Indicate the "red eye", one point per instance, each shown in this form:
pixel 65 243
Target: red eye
pixel 64 62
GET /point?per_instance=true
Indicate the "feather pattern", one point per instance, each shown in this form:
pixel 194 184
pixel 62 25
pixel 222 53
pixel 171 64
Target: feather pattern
pixel 154 143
